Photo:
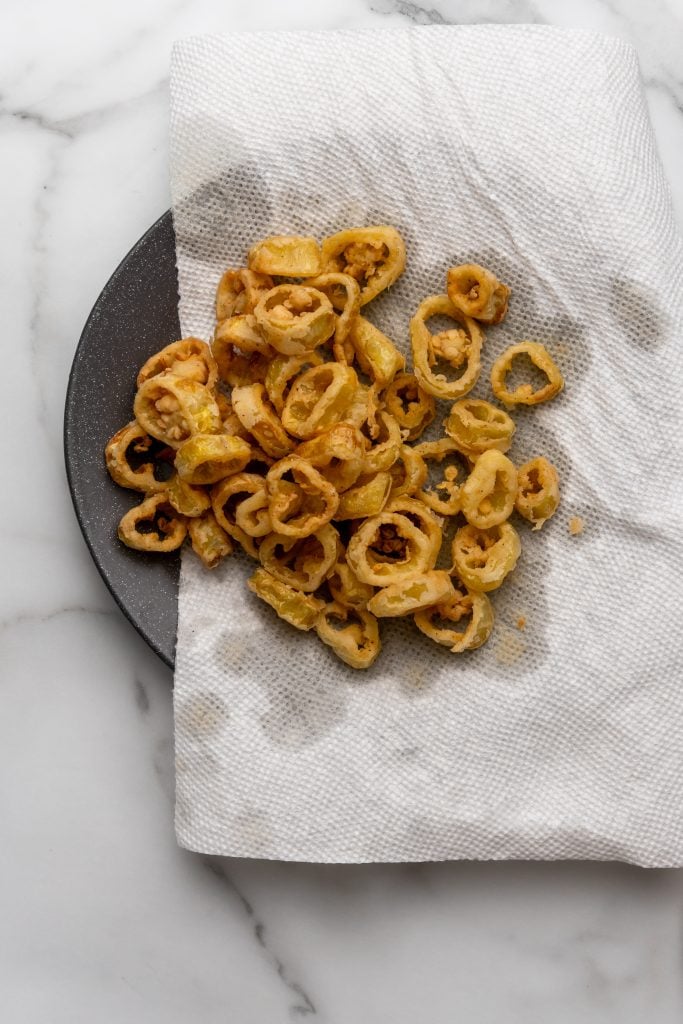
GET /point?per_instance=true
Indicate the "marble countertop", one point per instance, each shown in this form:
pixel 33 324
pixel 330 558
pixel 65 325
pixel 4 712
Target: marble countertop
pixel 104 918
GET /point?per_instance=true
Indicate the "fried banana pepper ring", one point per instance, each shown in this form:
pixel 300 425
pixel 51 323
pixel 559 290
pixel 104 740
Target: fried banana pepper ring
pixel 346 588
pixel 388 548
pixel 421 517
pixel 207 458
pixel 286 256
pixel 303 509
pixel 459 347
pixel 387 448
pixel 351 632
pixel 367 498
pixel 339 454
pixel 138 461
pixel 258 417
pixel 444 497
pixel 488 495
pixel 153 525
pixel 406 598
pixel 319 398
pixel 189 358
pixel 301 562
pixel 298 609
pixel 377 355
pixel 188 500
pixel 295 319
pixel 209 540
pixel 476 426
pixel 471 606
pixel 412 407
pixel 241 501
pixel 344 294
pixel 525 394
pixel 483 558
pixel 238 292
pixel 282 370
pixel 477 293
pixel 374 256
pixel 408 473
pixel 173 408
pixel 538 492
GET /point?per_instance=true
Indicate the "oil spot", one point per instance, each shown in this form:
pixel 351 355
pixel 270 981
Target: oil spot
pixel 203 715
pixel 509 648
pixel 642 323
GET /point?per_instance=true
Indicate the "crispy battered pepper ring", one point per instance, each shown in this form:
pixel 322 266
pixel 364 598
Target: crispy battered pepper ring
pixel 301 562
pixel 346 588
pixel 377 355
pixel 352 632
pixel 138 461
pixel 488 495
pixel 187 500
pixel 338 453
pixel 173 408
pixel 344 294
pixel 476 425
pixel 444 498
pixel 298 609
pixel 294 319
pixel 408 472
pixel 258 417
pixel 477 293
pixel 238 292
pixel 412 407
pixel 483 558
pixel 318 398
pixel 460 348
pixel 525 394
pixel 538 493
pixel 189 357
pixel 472 606
pixel 227 498
pixel 374 256
pixel 282 371
pixel 286 256
pixel 367 498
pixel 153 525
pixel 388 548
pixel 301 512
pixel 207 458
pixel 409 596
pixel 209 541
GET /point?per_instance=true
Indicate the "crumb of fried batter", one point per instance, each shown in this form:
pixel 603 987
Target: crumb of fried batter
pixel 575 526
pixel 521 622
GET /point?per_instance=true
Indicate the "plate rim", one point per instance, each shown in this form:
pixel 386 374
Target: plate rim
pixel 69 460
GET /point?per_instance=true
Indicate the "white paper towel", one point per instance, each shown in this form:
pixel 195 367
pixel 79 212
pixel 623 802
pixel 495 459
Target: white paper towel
pixel 528 150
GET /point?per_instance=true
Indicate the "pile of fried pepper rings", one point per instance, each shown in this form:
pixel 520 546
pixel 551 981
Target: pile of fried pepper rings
pixel 294 435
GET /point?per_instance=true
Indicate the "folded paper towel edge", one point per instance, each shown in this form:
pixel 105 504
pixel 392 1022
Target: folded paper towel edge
pixel 483 28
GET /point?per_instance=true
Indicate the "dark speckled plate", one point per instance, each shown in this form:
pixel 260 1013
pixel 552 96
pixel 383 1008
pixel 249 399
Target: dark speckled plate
pixel 136 314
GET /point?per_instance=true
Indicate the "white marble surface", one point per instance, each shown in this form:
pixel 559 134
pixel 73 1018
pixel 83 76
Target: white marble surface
pixel 103 918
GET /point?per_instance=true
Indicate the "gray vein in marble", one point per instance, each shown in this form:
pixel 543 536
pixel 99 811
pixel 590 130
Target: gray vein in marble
pixel 37 120
pixel 26 618
pixel 412 11
pixel 487 12
pixel 303 1005
pixel 141 696
pixel 659 85
pixel 71 127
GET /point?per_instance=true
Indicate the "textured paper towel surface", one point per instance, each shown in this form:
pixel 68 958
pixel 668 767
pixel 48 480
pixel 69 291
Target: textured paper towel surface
pixel 528 150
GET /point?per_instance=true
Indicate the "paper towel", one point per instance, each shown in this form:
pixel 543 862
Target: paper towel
pixel 527 150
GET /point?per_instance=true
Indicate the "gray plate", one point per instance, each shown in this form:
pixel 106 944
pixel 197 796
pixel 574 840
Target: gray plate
pixel 136 314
